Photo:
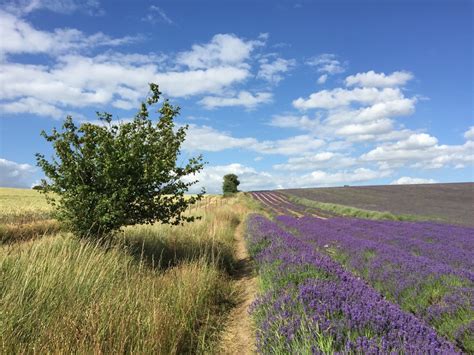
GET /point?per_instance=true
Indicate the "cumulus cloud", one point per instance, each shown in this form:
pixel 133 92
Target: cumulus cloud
pixel 330 99
pixel 290 146
pixel 360 114
pixel 18 36
pixel 420 150
pixel 251 179
pixel 33 106
pixel 14 174
pixel 469 134
pixel 320 160
pixel 211 178
pixel 222 50
pixel 324 178
pixel 272 71
pixel 406 180
pixel 112 78
pixel 243 98
pixel 381 80
pixel 204 138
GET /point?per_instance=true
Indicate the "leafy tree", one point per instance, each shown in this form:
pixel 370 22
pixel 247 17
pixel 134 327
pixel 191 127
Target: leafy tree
pixel 229 186
pixel 107 176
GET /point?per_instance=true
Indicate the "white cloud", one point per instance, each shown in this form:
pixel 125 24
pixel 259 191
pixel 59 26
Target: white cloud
pixel 321 160
pixel 322 79
pixel 222 50
pixel 204 138
pixel 194 82
pixel 289 146
pixel 361 114
pixel 76 80
pixel 22 7
pixel 211 178
pixel 381 80
pixel 294 121
pixel 406 180
pixel 421 150
pixel 18 36
pixel 390 108
pixel 272 71
pixel 330 99
pixel 31 105
pixel 469 134
pixel 157 14
pixel 13 174
pixel 327 63
pixel 244 99
pixel 376 127
pixel 251 179
pixel 324 178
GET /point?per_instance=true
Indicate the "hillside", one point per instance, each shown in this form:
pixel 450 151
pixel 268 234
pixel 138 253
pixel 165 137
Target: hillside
pixel 452 202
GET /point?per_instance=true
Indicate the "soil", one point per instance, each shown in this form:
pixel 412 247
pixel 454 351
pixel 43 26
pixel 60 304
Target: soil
pixel 238 336
pixel 451 203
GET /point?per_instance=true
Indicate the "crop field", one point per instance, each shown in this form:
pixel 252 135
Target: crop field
pixel 452 203
pixel 321 278
pixel 155 289
pixel 375 284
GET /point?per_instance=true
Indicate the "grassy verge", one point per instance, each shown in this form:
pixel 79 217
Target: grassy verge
pixel 159 289
pixel 348 211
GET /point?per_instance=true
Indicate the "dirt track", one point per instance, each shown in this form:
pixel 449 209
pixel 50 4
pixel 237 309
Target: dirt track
pixel 239 334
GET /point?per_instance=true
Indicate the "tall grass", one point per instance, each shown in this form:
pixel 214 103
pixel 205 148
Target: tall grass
pixel 157 289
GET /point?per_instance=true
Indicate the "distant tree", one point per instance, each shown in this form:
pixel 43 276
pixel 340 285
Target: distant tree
pixel 229 186
pixel 37 187
pixel 107 176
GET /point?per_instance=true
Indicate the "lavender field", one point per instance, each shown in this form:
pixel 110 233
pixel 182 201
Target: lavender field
pixel 452 203
pixel 334 284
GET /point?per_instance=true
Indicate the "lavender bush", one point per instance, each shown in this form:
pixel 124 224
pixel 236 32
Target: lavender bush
pixel 311 304
pixel 426 268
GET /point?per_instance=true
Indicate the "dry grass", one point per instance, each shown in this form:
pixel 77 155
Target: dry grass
pixel 158 289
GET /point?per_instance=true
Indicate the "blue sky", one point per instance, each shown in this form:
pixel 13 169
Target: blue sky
pixel 282 93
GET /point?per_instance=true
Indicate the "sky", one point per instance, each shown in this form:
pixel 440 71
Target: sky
pixel 285 94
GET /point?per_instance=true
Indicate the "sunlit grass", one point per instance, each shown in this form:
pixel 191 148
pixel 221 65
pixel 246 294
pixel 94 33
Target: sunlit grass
pixel 156 289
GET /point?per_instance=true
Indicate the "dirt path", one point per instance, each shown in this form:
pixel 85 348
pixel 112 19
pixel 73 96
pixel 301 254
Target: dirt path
pixel 238 336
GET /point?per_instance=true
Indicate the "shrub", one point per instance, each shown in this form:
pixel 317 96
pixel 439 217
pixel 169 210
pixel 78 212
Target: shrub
pixel 229 186
pixel 107 176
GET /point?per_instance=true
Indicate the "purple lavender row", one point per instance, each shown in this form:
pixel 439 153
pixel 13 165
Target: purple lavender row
pixel 312 304
pixel 425 267
pixel 452 245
